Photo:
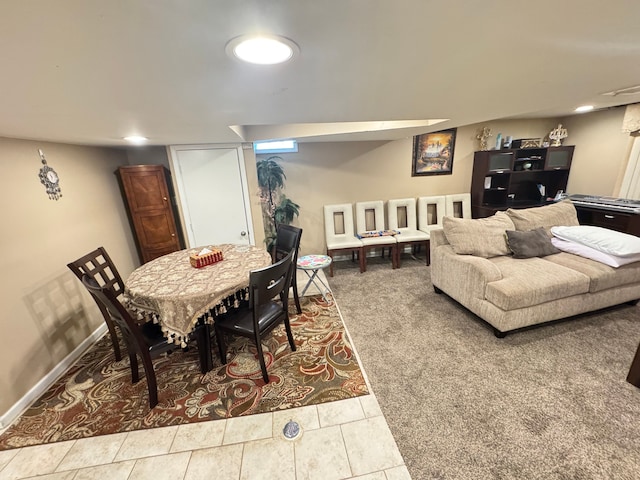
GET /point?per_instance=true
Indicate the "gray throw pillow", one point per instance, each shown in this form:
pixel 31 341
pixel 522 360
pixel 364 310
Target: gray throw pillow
pixel 531 243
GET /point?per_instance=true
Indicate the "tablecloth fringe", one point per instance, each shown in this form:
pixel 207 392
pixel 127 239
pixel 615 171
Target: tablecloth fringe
pixel 232 300
pixel 221 308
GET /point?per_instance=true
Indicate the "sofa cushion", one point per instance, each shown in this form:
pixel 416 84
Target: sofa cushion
pixel 602 276
pixel 533 281
pixel 561 213
pixel 530 243
pixel 482 237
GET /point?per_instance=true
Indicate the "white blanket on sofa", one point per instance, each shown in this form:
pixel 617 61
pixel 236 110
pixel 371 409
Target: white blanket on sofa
pixel 601 244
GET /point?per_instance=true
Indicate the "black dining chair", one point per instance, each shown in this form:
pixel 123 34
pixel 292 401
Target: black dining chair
pixel 145 341
pixel 262 314
pixel 99 266
pixel 287 240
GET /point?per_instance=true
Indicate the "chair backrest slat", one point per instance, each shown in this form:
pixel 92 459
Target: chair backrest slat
pixel 99 266
pixel 458 205
pixel 269 282
pixel 431 218
pixel 346 230
pixel 377 208
pixel 409 204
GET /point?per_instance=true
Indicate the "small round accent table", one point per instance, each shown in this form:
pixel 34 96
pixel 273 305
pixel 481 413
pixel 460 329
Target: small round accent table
pixel 311 265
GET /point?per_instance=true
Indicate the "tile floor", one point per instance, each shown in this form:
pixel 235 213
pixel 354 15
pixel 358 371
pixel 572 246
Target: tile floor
pixel 339 440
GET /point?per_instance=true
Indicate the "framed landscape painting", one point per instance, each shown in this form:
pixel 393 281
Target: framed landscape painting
pixel 433 153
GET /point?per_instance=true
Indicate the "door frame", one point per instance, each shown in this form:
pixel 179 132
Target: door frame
pixel 185 219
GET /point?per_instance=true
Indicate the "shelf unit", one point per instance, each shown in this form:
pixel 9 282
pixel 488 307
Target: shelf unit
pixel 511 177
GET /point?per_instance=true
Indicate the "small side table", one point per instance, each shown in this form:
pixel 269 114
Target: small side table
pixel 311 265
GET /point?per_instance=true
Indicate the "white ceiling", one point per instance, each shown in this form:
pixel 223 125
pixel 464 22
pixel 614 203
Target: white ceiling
pixel 94 71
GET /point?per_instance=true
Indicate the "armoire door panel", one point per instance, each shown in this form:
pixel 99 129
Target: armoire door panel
pixel 147 193
pixel 156 229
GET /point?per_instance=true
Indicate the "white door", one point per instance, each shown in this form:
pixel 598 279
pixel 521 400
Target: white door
pixel 213 193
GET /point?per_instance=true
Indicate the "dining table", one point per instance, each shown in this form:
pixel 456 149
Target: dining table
pixel 185 300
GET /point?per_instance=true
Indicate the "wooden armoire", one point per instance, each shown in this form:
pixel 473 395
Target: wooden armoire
pixel 148 196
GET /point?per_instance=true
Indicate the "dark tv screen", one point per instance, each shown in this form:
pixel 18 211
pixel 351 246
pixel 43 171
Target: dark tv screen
pixel 500 161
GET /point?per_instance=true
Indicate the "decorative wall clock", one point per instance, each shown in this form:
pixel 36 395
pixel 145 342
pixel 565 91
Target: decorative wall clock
pixel 49 178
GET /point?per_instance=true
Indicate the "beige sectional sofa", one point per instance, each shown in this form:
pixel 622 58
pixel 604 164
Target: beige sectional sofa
pixel 472 263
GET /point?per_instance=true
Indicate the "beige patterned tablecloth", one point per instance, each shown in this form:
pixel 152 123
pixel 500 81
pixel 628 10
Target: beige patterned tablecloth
pixel 176 295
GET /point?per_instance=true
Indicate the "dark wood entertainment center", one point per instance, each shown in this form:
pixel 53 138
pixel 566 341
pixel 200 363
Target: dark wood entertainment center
pixel 511 178
pixel 609 218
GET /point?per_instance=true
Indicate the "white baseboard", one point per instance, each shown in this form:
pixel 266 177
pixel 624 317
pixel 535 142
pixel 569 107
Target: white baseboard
pixel 41 387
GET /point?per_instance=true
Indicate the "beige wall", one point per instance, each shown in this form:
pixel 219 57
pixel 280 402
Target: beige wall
pixel 148 155
pixel 347 172
pixel 45 312
pixel 601 152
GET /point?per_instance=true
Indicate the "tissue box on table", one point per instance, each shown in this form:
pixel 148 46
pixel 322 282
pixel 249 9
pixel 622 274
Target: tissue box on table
pixel 205 257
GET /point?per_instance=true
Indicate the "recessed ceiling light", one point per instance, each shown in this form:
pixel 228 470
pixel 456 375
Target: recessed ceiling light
pixel 136 139
pixel 584 108
pixel 262 49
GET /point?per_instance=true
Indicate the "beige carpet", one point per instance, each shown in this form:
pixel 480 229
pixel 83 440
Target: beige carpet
pixel 547 403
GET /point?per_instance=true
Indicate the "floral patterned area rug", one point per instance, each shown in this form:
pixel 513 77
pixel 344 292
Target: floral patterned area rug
pixel 96 396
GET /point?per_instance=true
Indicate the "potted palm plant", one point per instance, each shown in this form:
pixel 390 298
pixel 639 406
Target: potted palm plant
pixel 277 208
pixel 285 211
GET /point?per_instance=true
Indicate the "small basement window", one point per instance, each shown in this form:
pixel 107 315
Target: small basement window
pixel 276 146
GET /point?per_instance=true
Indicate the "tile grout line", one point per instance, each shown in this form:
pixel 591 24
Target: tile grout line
pixel 88 467
pixel 184 475
pixel 244 444
pixel 121 444
pixel 64 456
pixel 346 451
pixel 130 471
pixel 173 439
pixel 16 450
pixel 295 465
